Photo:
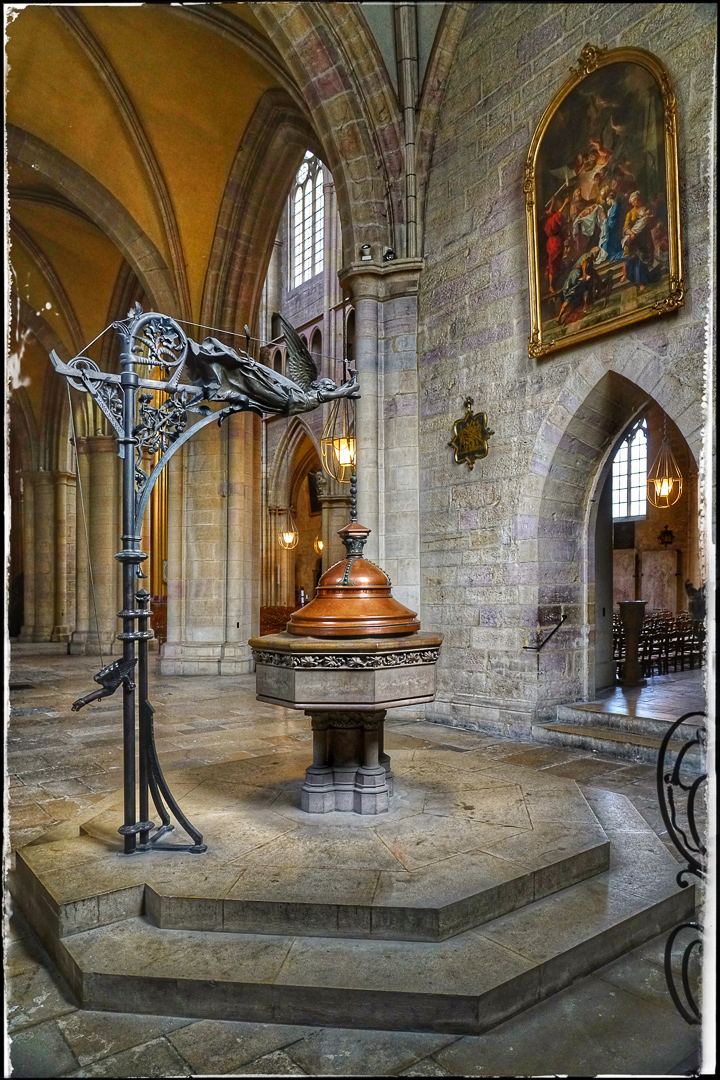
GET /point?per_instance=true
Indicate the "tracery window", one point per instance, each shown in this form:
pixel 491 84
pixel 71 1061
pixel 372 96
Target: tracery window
pixel 629 475
pixel 307 220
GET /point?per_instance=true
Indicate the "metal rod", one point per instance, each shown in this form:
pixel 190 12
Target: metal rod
pixel 537 648
pixel 128 557
pixel 143 599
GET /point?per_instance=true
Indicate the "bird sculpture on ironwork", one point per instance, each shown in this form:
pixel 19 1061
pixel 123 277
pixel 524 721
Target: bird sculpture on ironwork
pixel 220 373
pixel 110 678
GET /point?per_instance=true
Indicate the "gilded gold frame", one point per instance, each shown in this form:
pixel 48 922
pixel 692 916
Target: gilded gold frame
pixel 592 58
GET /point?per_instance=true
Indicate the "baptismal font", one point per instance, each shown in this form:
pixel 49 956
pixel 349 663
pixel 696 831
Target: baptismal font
pixel 345 658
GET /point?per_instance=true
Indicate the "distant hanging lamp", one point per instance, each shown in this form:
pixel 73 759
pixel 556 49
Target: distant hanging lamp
pixel 318 545
pixel 664 479
pixel 338 446
pixel 288 536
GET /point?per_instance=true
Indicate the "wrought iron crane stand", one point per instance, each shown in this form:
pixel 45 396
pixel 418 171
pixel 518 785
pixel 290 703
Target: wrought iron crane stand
pixel 148 340
pixel 153 341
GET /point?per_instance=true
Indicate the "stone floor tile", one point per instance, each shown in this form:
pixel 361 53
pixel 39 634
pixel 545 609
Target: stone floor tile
pixel 41 1051
pixel 543 756
pixel 347 1052
pixel 36 996
pixel 276 1064
pixel 217 1047
pixel 585 768
pixel 95 1035
pixel 589 1029
pixel 29 816
pixel 156 1058
pixel 427 1067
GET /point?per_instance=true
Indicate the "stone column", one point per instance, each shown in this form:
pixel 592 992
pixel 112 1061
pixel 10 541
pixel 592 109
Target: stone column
pixel 28 513
pixel 195 647
pixel 64 490
pixel 335 502
pixel 78 641
pixel 242 616
pixel 385 299
pixel 44 556
pixel 102 510
pixel 214 550
pixel 175 583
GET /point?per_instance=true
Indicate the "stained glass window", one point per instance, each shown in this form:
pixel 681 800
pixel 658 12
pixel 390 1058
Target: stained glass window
pixel 307 220
pixel 629 475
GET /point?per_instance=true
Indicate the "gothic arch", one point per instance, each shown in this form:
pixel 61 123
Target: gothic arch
pixel 104 210
pixel 341 75
pixel 253 201
pixel 284 461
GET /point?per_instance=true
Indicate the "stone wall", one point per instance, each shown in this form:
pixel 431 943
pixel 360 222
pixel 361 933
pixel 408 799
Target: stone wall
pixel 508 548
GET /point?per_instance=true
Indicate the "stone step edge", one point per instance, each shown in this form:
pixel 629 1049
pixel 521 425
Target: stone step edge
pixel 297 918
pixel 581 715
pixel 611 735
pixel 598 741
pixel 386 1009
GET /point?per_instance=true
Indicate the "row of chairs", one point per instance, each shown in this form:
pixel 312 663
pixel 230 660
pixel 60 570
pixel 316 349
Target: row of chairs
pixel 668 641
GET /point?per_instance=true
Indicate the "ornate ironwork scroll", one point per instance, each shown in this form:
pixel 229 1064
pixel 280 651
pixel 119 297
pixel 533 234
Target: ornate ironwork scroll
pixel 678 790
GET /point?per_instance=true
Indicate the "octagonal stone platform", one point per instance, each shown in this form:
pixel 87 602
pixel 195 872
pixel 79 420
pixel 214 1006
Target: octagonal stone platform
pixel 484 889
pixel 465 840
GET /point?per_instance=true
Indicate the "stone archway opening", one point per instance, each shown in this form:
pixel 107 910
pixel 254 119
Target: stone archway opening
pixel 646 553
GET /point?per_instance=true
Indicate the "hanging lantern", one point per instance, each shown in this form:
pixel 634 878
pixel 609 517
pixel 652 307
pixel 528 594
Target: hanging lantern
pixel 288 536
pixel 318 545
pixel 664 480
pixel 338 446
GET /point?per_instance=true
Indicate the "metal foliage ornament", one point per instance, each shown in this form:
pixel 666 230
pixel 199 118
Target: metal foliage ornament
pixel 470 436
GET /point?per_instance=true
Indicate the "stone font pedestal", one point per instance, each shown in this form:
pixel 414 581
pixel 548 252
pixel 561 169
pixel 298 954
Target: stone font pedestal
pixel 350 770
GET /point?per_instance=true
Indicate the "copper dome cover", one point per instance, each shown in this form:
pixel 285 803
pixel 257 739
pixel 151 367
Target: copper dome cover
pixel 353 598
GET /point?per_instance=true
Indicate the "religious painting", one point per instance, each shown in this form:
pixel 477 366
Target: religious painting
pixel 602 199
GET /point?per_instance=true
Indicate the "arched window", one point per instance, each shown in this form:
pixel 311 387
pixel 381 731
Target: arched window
pixel 629 475
pixel 307 220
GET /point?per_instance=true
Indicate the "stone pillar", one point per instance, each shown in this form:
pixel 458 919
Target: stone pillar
pixel 102 510
pixel 335 502
pixel 78 641
pixel 28 512
pixel 242 616
pixel 214 551
pixel 44 556
pixel 64 491
pixel 385 300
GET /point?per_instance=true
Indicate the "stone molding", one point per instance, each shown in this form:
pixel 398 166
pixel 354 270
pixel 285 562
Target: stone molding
pixel 334 662
pixel 327 721
pixel 381 281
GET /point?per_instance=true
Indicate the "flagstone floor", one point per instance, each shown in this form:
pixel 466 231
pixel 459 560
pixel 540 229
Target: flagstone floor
pixel 64 766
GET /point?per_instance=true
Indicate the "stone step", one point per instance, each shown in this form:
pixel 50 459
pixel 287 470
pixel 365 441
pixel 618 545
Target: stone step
pixel 584 714
pixel 466 985
pixel 624 745
pixel 467 839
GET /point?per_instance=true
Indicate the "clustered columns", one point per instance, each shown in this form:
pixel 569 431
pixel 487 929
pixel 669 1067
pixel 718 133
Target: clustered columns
pixel 214 550
pixel 97 528
pixel 384 296
pixel 48 543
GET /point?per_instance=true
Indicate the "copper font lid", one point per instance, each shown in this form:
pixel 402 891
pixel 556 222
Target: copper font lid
pixel 353 598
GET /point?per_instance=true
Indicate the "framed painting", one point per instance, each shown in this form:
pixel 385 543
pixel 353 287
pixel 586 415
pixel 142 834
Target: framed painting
pixel 602 200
